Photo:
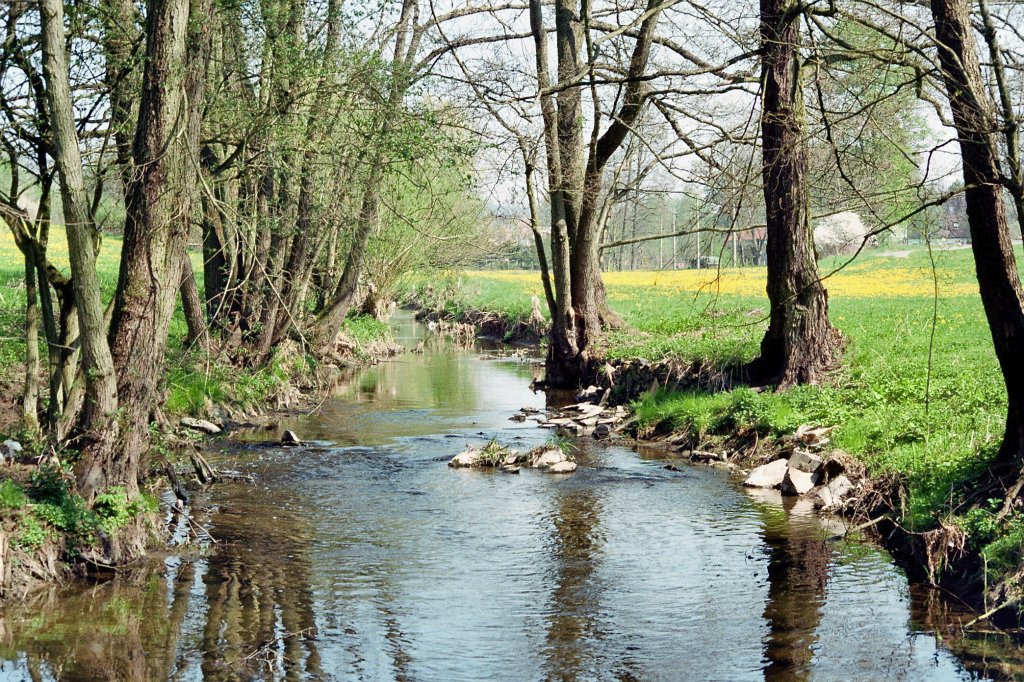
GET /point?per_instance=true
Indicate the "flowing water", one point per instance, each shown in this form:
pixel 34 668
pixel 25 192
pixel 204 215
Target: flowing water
pixel 365 557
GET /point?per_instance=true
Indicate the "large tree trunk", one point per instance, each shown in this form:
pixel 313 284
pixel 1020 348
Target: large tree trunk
pixel 101 382
pixel 581 305
pixel 800 344
pixel 996 266
pixel 562 365
pixel 158 211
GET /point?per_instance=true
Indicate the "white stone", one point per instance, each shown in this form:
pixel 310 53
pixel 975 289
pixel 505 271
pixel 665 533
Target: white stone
pixel 805 461
pixel 466 458
pixel 767 476
pixel 798 482
pixel 565 467
pixel 831 495
pixel 200 425
pixel 549 458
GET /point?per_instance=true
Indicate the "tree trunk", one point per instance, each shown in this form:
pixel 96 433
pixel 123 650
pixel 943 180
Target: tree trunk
pixel 581 303
pixel 101 382
pixel 329 321
pixel 341 301
pixel 30 394
pixel 996 266
pixel 800 344
pixel 158 211
pixel 218 244
pixel 192 306
pixel 121 76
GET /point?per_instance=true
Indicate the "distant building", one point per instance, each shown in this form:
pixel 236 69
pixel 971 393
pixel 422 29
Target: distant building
pixel 954 220
pixel 751 245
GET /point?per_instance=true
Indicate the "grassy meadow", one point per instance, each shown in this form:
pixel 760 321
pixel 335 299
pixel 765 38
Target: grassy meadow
pixel 918 393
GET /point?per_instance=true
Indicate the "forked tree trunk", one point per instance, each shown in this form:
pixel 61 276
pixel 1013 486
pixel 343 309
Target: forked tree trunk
pixel 158 211
pixel 101 382
pixel 581 303
pixel 800 344
pixel 994 261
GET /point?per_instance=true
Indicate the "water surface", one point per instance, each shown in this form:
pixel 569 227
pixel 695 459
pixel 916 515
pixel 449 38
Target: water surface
pixel 365 557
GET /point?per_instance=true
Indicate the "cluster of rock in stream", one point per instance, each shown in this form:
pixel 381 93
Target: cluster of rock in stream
pixel 806 473
pixel 589 417
pixel 548 458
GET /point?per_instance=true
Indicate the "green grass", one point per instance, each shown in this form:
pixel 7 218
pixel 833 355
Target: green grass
pixel 366 329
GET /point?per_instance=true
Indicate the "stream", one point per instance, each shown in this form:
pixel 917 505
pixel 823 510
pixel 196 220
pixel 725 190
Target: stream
pixel 365 557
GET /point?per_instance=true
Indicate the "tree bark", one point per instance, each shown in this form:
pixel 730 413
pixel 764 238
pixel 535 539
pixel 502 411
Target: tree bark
pixel 996 266
pixel 800 344
pixel 30 394
pixel 217 258
pixel 158 211
pixel 192 306
pixel 101 383
pixel 562 364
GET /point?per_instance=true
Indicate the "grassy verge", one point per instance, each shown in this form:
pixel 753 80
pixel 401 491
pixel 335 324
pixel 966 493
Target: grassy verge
pixel 194 380
pixel 919 393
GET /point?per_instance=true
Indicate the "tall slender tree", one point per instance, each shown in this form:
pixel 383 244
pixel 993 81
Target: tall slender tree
pixel 975 118
pixel 98 362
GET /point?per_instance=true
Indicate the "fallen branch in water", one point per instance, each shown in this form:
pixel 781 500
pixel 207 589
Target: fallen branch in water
pixel 265 652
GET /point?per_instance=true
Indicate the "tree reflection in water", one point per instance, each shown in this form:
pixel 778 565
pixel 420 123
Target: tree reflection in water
pixel 260 615
pixel 572 623
pixel 798 572
pixel 128 628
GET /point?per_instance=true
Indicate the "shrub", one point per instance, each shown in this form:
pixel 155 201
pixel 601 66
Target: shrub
pixel 12 496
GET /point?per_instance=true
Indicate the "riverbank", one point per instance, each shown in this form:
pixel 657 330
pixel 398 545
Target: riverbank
pixel 918 399
pixel 47 533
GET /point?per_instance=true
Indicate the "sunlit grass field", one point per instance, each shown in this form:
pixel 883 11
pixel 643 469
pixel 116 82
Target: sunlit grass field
pixel 12 291
pixel 918 392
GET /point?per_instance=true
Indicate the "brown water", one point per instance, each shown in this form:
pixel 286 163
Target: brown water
pixel 365 557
